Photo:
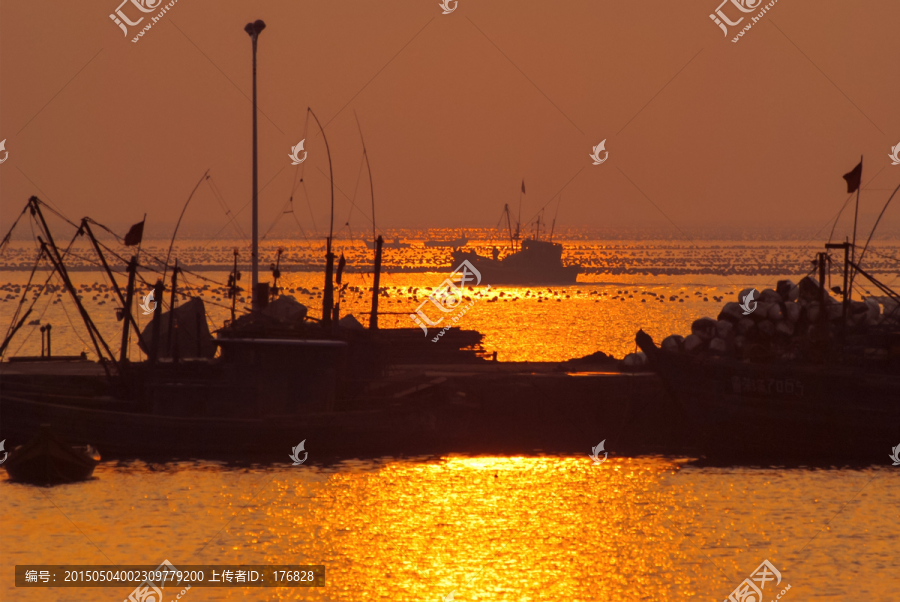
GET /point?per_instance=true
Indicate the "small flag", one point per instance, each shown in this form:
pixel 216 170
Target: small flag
pixel 135 234
pixel 853 178
pixel 523 186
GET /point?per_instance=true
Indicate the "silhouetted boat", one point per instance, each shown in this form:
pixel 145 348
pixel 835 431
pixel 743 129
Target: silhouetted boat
pixel 831 389
pixel 536 262
pixel 457 242
pixel 780 410
pixel 47 459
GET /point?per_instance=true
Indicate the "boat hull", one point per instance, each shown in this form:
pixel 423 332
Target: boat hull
pixel 47 460
pixel 496 273
pixel 778 412
pixel 127 434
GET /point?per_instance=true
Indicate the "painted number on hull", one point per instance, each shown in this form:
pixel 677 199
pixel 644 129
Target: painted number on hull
pixel 770 386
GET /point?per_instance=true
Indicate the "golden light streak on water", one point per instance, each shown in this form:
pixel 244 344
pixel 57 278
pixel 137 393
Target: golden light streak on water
pixel 487 528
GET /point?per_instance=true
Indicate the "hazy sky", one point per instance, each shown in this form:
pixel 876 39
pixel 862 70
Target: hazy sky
pixel 456 110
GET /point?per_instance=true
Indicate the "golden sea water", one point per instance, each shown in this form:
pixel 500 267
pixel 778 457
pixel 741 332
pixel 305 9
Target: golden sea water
pixel 520 528
pixel 486 528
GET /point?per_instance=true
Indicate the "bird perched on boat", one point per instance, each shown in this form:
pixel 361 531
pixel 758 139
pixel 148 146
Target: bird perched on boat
pixel 895 457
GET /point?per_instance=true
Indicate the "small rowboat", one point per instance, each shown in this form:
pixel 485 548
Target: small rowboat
pixel 47 459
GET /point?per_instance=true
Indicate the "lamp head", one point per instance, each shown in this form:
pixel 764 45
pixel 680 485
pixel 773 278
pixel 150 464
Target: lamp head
pixel 254 28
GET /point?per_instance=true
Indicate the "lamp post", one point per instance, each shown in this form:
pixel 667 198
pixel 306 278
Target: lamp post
pixel 253 30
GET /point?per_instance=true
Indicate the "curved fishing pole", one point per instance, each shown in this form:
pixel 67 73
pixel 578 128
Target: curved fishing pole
pixel 861 255
pixel 166 265
pixel 369 168
pixel 330 170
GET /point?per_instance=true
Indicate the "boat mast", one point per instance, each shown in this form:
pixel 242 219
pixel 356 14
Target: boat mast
pixel 553 225
pixel 855 217
pixel 519 219
pixel 379 241
pixel 253 30
pixel 328 294
pixel 509 225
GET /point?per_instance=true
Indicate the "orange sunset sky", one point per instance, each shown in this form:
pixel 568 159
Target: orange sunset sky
pixel 456 110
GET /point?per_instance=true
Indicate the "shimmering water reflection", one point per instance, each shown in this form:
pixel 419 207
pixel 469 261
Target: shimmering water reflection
pixel 486 528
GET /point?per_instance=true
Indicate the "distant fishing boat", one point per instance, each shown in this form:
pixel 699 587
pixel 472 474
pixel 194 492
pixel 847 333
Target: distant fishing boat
pixel 47 459
pixel 395 244
pixel 534 261
pixel 456 242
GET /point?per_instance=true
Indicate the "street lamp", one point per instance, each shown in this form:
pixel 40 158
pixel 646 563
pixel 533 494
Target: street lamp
pixel 253 30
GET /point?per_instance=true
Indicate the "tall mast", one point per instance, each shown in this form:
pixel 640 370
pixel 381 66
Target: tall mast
pixel 855 216
pixel 369 168
pixel 328 293
pixel 379 242
pixel 509 225
pixel 253 30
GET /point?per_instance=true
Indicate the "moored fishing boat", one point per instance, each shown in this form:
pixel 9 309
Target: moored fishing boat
pixel 47 459
pixel 805 376
pixel 795 373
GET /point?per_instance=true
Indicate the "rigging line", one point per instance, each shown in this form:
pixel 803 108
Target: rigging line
pixel 99 225
pixel 302 231
pixel 301 172
pixel 575 176
pixel 52 272
pixel 19 305
pixel 30 332
pixel 309 205
pixel 247 204
pixel 277 219
pixel 369 168
pixel 143 265
pixel 178 223
pixel 58 214
pixel 4 244
pixel 63 305
pixel 347 197
pixel 221 198
pixel 218 197
pixel 872 233
pixel 330 171
pixel 356 188
pixel 838 216
pixel 305 131
pixel 891 257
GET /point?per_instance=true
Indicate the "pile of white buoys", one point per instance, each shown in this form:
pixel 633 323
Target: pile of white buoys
pixel 778 323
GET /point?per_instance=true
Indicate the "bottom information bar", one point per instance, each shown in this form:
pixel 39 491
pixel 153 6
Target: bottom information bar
pixel 166 575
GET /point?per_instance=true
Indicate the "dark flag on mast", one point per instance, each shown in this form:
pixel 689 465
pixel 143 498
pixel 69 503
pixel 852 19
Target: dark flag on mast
pixel 853 178
pixel 135 234
pixel 523 186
